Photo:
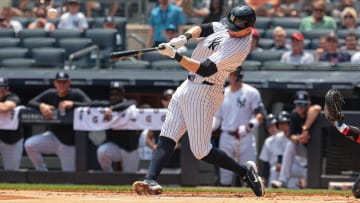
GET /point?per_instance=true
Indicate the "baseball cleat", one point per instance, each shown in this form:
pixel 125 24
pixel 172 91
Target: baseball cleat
pixel 253 180
pixel 147 187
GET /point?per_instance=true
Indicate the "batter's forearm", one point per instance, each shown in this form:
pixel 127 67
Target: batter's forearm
pixel 189 63
pixel 194 31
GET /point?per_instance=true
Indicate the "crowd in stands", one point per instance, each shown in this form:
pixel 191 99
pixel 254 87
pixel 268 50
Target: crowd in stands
pixel 327 30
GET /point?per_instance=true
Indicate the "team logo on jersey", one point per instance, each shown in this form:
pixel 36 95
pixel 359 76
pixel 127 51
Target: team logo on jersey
pixel 214 43
pixel 241 103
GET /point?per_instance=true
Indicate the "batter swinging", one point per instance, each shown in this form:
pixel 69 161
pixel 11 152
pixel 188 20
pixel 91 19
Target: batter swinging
pixel 223 47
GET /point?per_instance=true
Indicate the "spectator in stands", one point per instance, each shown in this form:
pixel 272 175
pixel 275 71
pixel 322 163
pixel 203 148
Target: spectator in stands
pixel 73 19
pixel 322 47
pixel 58 139
pixel 109 23
pixel 216 11
pixel 333 54
pixel 351 42
pixel 161 16
pixel 318 20
pixel 349 19
pixel 255 40
pixel 41 21
pixel 279 36
pixel 11 141
pixel 302 119
pixel 297 55
pixel 120 145
pixel 259 5
pixel 6 21
pixel 170 33
pixel 276 11
pixel 153 136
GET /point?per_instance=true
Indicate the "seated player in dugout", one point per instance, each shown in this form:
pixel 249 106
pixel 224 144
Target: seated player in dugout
pixel 120 146
pixel 57 139
pixel 11 141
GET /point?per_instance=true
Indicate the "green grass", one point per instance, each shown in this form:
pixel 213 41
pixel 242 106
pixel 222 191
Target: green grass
pixel 69 187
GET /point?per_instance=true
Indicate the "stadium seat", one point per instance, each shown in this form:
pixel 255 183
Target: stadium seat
pixel 266 43
pixel 166 65
pixel 6 42
pixel 341 33
pixel 17 63
pixel 347 66
pixel 131 65
pixel 317 66
pixel 290 22
pixel 71 45
pixel 120 26
pixel 105 39
pixel 277 65
pixel 265 55
pixel 37 42
pixel 263 22
pixel 13 52
pixel 25 33
pixel 65 33
pixel 251 65
pixel 7 33
pixel 48 57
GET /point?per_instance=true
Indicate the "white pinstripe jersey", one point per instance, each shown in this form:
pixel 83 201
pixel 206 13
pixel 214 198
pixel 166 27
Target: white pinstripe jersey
pixel 226 52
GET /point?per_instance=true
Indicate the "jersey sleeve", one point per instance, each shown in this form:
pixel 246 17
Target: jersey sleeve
pixel 232 53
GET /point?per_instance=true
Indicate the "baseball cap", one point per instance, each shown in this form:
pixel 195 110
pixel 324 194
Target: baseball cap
pixel 116 85
pixel 3 82
pixel 297 36
pixel 171 27
pixel 331 35
pixel 302 98
pixel 109 19
pixel 167 94
pixel 62 76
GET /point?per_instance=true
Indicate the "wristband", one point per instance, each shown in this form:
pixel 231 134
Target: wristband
pixel 254 123
pixel 188 36
pixel 178 57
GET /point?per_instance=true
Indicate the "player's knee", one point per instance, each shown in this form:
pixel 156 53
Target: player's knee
pixel 102 153
pixel 29 146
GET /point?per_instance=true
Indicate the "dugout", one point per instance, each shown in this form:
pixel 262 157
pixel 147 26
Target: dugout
pixel 327 157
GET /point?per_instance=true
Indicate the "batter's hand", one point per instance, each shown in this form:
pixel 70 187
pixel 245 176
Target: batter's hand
pixel 243 130
pixel 66 104
pixel 167 50
pixel 178 42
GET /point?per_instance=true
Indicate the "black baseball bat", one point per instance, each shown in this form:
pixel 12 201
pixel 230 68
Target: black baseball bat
pixel 129 53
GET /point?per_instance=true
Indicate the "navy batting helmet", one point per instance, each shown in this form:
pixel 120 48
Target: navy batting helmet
pixel 239 73
pixel 270 120
pixel 4 82
pixel 239 18
pixel 283 117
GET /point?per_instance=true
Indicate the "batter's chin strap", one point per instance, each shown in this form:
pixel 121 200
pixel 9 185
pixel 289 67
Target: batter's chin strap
pixel 349 131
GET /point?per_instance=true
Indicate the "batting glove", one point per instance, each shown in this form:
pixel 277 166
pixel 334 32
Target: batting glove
pixel 167 50
pixel 178 42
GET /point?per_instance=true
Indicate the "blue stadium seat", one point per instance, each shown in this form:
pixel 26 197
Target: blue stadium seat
pixel 65 33
pixel 265 55
pixel 48 57
pixel 9 42
pixel 166 65
pixel 17 63
pixel 25 33
pixel 131 65
pixel 277 65
pixel 7 33
pixel 315 34
pixel 13 52
pixel 71 45
pixel 153 56
pixel 263 22
pixel 37 42
pixel 288 22
pixel 251 65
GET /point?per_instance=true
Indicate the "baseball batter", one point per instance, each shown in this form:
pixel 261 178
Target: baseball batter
pixel 223 47
pixel 240 113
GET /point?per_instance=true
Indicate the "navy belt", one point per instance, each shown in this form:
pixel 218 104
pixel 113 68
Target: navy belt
pixel 192 78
